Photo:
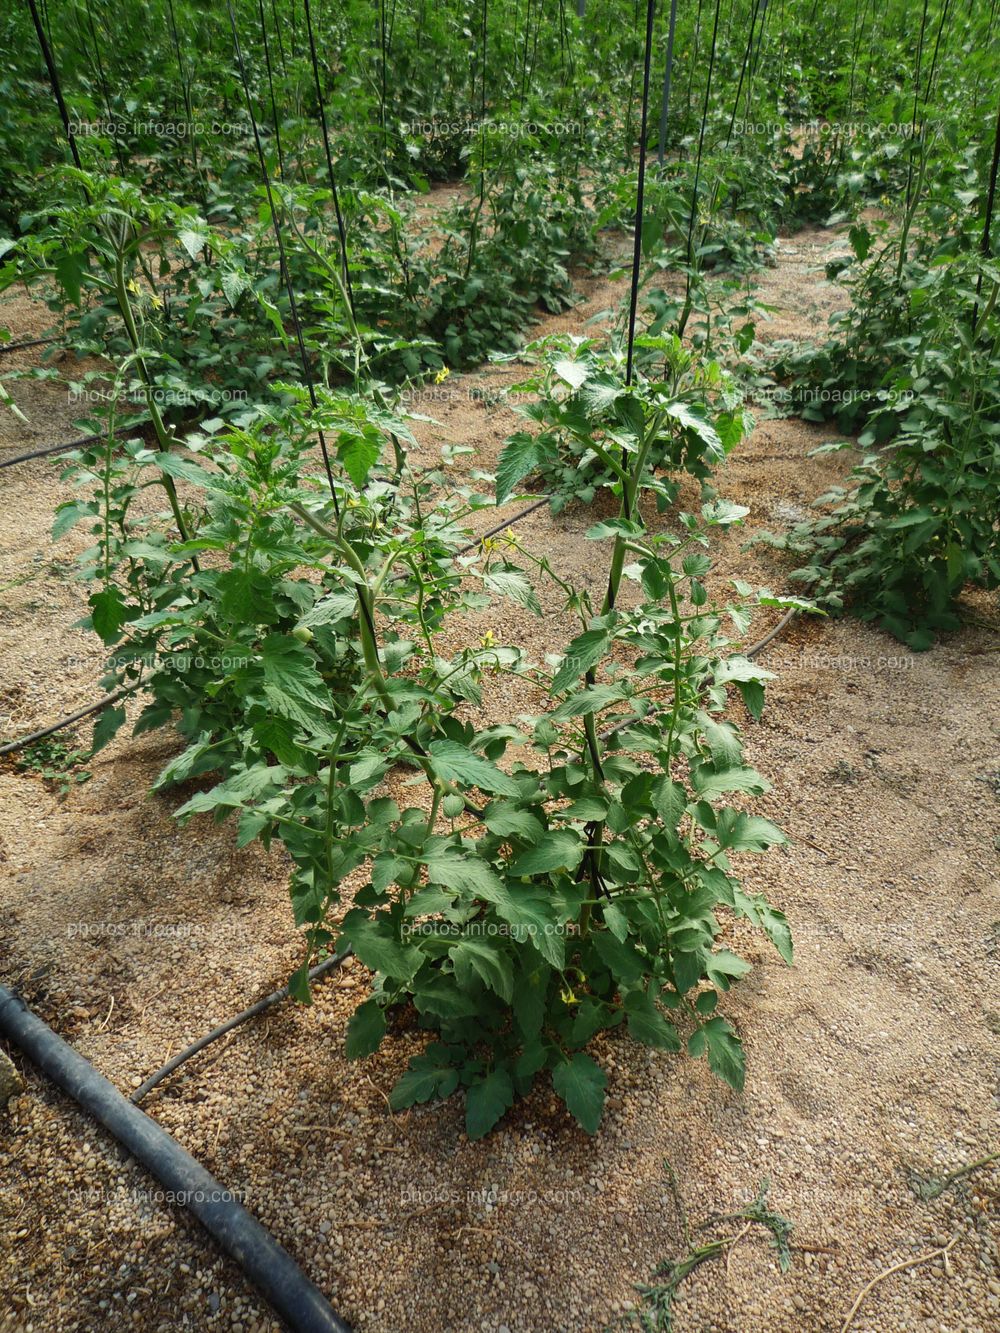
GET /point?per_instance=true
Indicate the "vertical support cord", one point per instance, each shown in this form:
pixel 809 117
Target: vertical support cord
pixel 277 33
pixel 341 229
pixel 272 204
pixel 188 104
pixel 50 65
pixel 103 80
pixel 685 314
pixel 640 193
pixel 743 70
pixel 667 75
pixel 985 245
pixel 482 107
pixel 270 85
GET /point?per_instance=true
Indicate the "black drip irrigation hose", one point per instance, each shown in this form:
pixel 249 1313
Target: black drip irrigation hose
pixel 70 445
pixel 30 342
pixel 270 1268
pixel 268 1002
pixel 11 747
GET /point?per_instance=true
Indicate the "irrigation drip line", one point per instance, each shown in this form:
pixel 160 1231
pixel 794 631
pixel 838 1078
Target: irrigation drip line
pixel 29 342
pixel 502 527
pixel 12 747
pixel 268 1002
pixel 70 445
pixel 296 1300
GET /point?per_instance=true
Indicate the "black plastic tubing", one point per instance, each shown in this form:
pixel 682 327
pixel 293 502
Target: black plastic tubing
pixel 293 1297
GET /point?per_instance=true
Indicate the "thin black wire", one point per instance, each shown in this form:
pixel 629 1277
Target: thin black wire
pixel 50 65
pixel 70 445
pixel 640 191
pixel 272 204
pixel 28 342
pixel 270 84
pixel 341 229
pixel 697 172
pixel 986 248
pixel 105 88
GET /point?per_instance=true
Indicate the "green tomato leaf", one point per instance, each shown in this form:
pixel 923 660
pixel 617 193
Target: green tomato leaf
pixel 486 1102
pixel 453 762
pixel 581 1083
pixel 365 1030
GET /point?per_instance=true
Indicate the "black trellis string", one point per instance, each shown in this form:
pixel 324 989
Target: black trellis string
pixel 743 70
pixel 270 85
pixel 272 204
pixel 277 34
pixel 682 324
pixel 50 65
pixel 341 229
pixel 103 80
pixel 986 248
pixel 640 192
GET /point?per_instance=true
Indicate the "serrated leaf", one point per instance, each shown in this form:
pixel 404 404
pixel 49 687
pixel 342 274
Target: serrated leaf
pixel 691 420
pixel 292 683
pixel 107 613
pixel 515 585
pixel 581 1083
pixel 647 1025
pixel 487 959
pixel 453 762
pixel 193 241
pixel 560 848
pixel 520 455
pixel 722 741
pixel 486 1101
pixel 582 653
pixel 709 785
pixel 464 873
pixel 359 454
pixel 725 1051
pixel 429 1075
pixel 738 668
pixel 740 832
pixel 573 372
pixel 184 469
pixel 70 513
pixel 590 700
pixel 365 1030
pixel 107 727
pixel 376 945
pixel 506 822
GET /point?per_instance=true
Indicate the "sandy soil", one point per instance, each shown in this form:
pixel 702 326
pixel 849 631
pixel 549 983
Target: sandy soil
pixel 874 1057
